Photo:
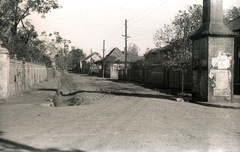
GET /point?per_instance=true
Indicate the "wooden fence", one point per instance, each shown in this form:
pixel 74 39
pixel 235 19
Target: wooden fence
pixel 157 74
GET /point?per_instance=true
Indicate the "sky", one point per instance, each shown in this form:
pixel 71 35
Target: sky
pixel 88 22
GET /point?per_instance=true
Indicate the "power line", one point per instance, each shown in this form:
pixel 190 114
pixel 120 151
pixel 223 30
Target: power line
pixel 116 36
pixel 134 16
pixel 117 31
pixel 149 13
pixel 145 31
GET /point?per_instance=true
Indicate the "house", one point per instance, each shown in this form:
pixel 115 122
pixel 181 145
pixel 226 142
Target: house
pixel 115 61
pixel 235 27
pixel 88 65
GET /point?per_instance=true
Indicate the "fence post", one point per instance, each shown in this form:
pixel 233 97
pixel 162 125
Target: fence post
pixel 4 72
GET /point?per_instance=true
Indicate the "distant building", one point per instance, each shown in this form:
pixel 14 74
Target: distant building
pixel 115 61
pixel 88 65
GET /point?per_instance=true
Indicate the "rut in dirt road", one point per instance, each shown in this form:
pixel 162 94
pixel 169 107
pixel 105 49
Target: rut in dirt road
pixel 89 90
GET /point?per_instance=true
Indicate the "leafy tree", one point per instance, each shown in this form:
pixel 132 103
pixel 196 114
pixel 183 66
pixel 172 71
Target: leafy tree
pixel 231 14
pixel 28 44
pixel 75 55
pixel 15 11
pixel 177 35
pixel 12 13
pixel 46 60
pixel 133 48
pixel 164 36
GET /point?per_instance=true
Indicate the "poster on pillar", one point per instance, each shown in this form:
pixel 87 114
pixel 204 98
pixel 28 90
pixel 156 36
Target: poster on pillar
pixel 220 74
pixel 221 62
pixel 220 82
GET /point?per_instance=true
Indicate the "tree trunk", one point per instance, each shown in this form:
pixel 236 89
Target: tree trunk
pixel 59 86
pixel 182 81
pixel 14 30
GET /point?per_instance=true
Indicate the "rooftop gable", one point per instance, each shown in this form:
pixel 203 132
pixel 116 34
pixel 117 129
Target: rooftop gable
pixel 116 55
pixel 91 55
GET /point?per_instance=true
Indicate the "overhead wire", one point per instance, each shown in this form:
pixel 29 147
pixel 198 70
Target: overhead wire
pixel 142 33
pixel 111 38
pixel 136 15
pixel 149 13
pixel 114 35
pixel 117 31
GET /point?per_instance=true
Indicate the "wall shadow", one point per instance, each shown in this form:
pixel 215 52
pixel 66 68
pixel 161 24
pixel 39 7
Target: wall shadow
pixel 7 145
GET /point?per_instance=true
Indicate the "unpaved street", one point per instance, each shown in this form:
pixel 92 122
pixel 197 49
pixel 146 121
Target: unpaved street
pixel 117 117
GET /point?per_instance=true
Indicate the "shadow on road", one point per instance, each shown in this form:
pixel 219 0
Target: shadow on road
pixel 7 145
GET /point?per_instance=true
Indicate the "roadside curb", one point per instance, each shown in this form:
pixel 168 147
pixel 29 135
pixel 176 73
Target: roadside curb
pixel 230 105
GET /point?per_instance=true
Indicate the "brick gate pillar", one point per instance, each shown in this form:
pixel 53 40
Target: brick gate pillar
pixel 213 49
pixel 4 72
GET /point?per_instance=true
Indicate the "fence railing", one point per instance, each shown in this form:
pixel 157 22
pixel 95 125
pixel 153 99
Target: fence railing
pixel 159 75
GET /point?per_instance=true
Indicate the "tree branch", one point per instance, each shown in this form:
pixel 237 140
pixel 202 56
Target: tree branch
pixel 28 33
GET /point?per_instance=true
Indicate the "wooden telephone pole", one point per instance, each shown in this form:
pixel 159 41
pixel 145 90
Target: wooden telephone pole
pixel 125 48
pixel 103 58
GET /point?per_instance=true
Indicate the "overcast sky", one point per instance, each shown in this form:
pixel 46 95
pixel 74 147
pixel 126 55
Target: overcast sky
pixel 88 22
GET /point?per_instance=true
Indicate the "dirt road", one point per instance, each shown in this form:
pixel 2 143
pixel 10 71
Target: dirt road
pixel 118 117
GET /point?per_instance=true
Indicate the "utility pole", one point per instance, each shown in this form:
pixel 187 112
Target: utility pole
pixel 91 63
pixel 125 48
pixel 103 58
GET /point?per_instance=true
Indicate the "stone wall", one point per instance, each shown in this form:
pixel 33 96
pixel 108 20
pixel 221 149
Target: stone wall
pixel 17 76
pixel 23 75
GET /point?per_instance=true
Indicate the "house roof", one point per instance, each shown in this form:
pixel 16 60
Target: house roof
pixel 165 48
pixel 91 55
pixel 115 51
pixel 117 56
pixel 235 25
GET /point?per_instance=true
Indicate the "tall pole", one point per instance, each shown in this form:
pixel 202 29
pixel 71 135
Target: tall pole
pixel 125 48
pixel 103 58
pixel 91 63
